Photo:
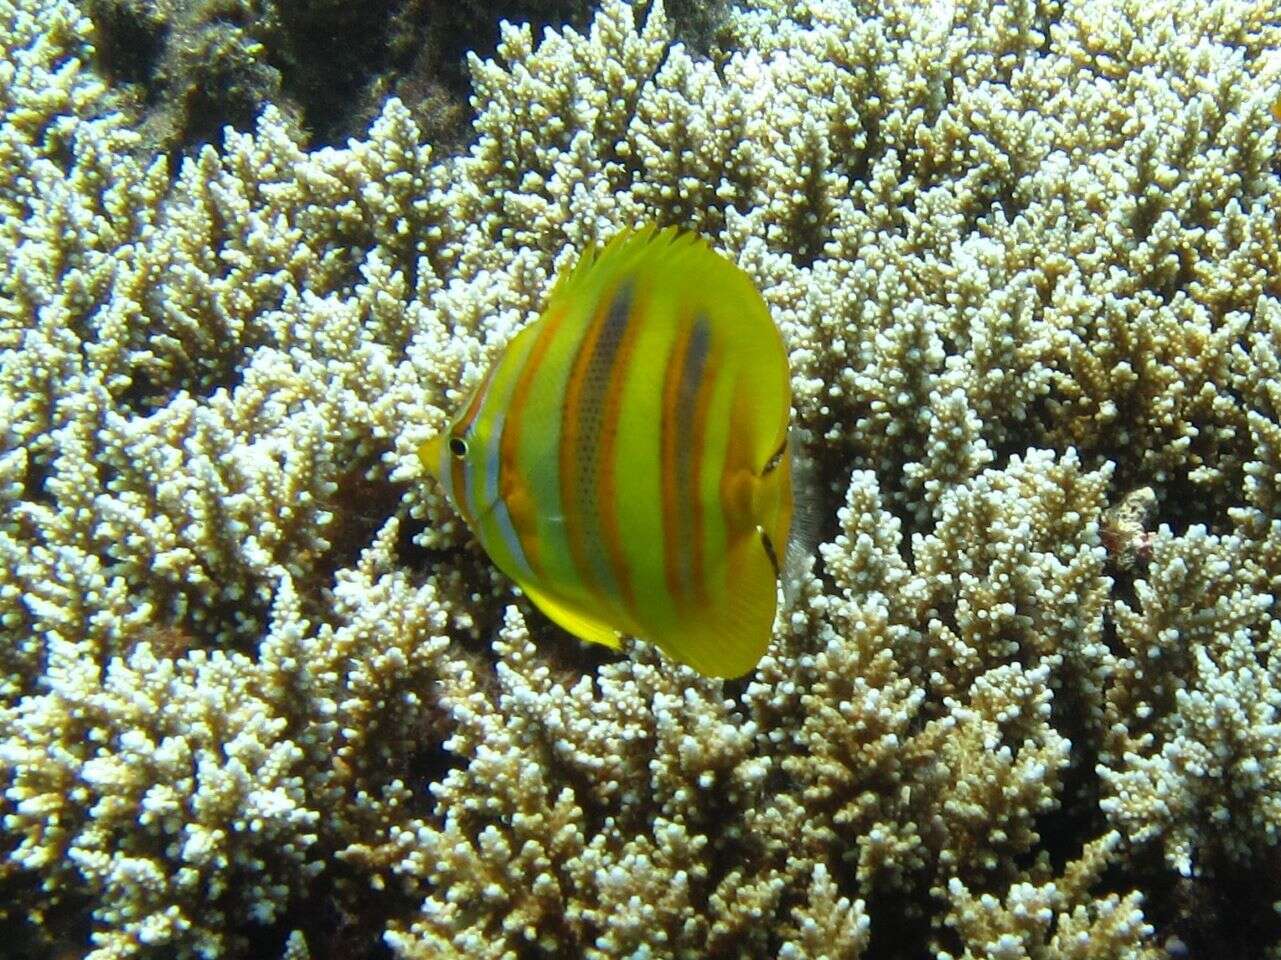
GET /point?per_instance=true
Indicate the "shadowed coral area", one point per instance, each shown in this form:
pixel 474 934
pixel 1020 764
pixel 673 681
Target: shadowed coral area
pixel 262 696
pixel 187 68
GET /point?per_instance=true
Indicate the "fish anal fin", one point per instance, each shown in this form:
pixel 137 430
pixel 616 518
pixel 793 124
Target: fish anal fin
pixel 728 637
pixel 581 625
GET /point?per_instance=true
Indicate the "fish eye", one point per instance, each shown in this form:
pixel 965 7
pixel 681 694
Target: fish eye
pixel 458 446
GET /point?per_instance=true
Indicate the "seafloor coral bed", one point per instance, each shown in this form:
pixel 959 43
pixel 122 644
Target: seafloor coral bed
pixel 261 696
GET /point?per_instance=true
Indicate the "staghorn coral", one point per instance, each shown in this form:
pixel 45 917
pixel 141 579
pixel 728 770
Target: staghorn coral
pixel 262 697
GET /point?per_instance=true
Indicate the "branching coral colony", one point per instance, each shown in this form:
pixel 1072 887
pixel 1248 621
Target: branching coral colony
pixel 261 696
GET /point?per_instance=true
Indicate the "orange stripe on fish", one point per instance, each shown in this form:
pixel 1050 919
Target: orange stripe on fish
pixel 669 439
pixel 606 493
pixel 700 367
pixel 511 485
pixel 580 434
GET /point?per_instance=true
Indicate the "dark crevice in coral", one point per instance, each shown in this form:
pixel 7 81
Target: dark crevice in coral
pixel 899 933
pixel 1015 443
pixel 698 23
pixel 35 486
pixel 364 499
pixel 735 689
pixel 820 488
pixel 216 370
pixel 241 620
pixel 1224 910
pixel 143 396
pixel 412 739
pixel 426 761
pixel 223 87
pixel 201 363
pixel 1123 591
pixel 727 852
pixel 461 26
pixel 1184 504
pixel 337 913
pixel 62 931
pixel 327 53
pixel 328 66
pixel 1077 814
pixel 416 557
pixel 203 65
pixel 130 37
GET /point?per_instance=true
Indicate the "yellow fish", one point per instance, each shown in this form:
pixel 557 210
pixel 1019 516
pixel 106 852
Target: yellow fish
pixel 626 459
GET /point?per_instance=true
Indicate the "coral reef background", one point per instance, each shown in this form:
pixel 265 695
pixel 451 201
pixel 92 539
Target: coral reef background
pixel 261 696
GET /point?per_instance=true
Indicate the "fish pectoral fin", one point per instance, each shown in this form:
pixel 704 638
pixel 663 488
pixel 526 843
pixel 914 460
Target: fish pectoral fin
pixel 579 624
pixel 729 636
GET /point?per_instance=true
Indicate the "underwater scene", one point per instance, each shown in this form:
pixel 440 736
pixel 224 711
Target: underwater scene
pixel 789 479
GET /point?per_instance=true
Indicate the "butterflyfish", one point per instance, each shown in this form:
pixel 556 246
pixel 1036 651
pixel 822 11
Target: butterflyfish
pixel 625 460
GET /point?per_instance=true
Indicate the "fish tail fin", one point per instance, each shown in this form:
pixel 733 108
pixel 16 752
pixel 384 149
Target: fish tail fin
pixel 803 530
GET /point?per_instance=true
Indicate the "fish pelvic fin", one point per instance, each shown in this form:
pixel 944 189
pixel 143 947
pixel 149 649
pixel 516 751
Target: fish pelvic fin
pixel 580 624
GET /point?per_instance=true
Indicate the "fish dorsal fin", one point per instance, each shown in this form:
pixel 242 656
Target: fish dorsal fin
pixel 705 285
pixel 601 266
